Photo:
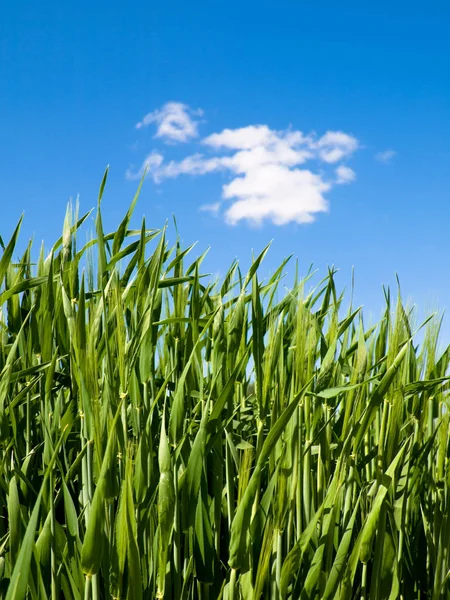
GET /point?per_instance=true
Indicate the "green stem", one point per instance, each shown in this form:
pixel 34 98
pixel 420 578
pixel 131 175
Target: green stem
pixel 176 537
pixel 54 585
pixel 364 582
pixel 279 562
pixel 95 587
pixel 233 579
pixel 87 588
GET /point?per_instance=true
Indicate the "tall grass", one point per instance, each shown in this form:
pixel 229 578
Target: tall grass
pixel 167 437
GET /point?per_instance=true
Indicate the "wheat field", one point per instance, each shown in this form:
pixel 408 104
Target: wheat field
pixel 166 435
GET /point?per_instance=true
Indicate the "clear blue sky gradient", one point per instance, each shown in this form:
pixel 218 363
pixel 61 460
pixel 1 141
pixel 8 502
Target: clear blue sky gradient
pixel 77 76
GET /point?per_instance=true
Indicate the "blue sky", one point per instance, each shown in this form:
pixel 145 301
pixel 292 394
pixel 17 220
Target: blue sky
pixel 78 77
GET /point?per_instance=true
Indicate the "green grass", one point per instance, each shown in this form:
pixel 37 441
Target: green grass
pixel 163 436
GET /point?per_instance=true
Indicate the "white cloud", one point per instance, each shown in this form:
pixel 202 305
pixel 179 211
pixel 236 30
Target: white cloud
pixel 385 156
pixel 212 208
pixel 276 193
pixel 267 176
pixel 196 164
pixel 258 145
pixel 336 145
pixel 151 164
pixel 242 138
pixel 344 174
pixel 175 122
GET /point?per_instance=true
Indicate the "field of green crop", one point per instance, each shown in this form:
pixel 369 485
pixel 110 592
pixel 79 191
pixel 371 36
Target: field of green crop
pixel 168 436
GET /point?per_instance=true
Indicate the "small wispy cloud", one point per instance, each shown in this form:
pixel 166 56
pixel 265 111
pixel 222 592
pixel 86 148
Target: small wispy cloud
pixel 212 208
pixel 175 122
pixel 385 156
pixel 151 164
pixel 336 145
pixel 268 180
pixel 344 174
